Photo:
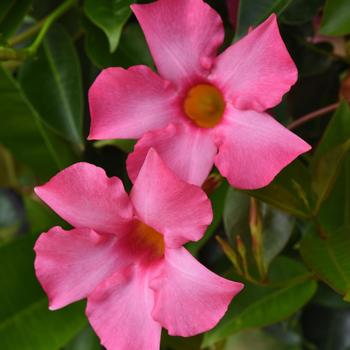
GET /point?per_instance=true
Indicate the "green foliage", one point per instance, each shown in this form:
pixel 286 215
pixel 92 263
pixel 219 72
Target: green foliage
pixel 288 242
pixel 55 76
pixel 25 321
pixel 336 19
pixel 110 16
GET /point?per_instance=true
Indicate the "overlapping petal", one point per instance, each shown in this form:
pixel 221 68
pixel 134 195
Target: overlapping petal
pixel 178 210
pixel 254 148
pixel 188 151
pixel 70 264
pixel 189 299
pixel 120 312
pixel 183 36
pixel 126 103
pixel 256 71
pixel 84 196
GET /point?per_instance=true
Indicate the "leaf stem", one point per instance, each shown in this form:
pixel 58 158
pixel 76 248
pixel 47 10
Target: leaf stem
pixel 313 115
pixel 7 53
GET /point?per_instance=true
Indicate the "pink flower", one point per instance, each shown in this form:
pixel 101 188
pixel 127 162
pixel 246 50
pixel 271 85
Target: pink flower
pixel 202 109
pixel 126 255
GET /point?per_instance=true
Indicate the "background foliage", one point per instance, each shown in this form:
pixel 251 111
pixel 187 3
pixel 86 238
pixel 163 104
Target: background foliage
pixel 289 242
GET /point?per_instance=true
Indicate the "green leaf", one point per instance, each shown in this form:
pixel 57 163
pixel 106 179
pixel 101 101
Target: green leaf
pixel 252 13
pixel 257 340
pixel 259 306
pixel 336 18
pixel 217 199
pixel 300 11
pixel 329 258
pixel 11 16
pixel 289 191
pixel 7 169
pixel 25 321
pixel 110 16
pixel 326 171
pixel 276 225
pixel 335 210
pixel 132 49
pixel 126 145
pixel 24 134
pixel 85 340
pixel 52 83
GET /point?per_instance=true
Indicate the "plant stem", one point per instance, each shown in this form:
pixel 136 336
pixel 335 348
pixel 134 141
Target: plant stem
pixel 313 115
pixel 27 33
pixel 7 53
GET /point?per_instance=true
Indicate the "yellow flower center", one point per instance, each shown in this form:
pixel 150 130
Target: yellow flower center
pixel 148 239
pixel 204 105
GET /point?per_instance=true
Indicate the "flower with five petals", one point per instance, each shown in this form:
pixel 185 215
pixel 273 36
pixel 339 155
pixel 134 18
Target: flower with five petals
pixel 201 109
pixel 126 255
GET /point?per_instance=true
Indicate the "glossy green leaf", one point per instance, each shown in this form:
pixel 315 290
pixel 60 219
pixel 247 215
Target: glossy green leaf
pixel 251 13
pixel 257 340
pixel 11 16
pixel 217 199
pixel 336 18
pixel 276 225
pixel 23 133
pixel 52 83
pixel 329 258
pixel 25 321
pixel 110 16
pixel 125 145
pixel 326 171
pixel 259 306
pixel 85 340
pixel 132 49
pixel 300 11
pixel 289 191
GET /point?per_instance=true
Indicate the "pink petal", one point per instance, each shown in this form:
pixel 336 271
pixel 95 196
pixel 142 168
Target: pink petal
pixel 190 299
pixel 254 148
pixel 189 152
pixel 127 103
pixel 183 36
pixel 119 310
pixel 70 264
pixel 256 71
pixel 84 196
pixel 178 210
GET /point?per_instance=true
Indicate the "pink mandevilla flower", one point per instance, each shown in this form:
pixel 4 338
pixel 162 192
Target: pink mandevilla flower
pixel 202 109
pixel 126 255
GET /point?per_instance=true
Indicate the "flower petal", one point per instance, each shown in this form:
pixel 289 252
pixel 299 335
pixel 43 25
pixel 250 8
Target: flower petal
pixel 256 71
pixel 127 103
pixel 84 196
pixel 119 310
pixel 178 210
pixel 70 264
pixel 190 299
pixel 183 36
pixel 254 148
pixel 189 152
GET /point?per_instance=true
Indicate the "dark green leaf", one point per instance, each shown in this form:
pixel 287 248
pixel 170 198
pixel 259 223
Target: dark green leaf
pixel 132 49
pixel 329 258
pixel 11 16
pixel 251 13
pixel 258 306
pixel 110 16
pixel 289 191
pixel 52 83
pixel 25 321
pixel 7 169
pixel 85 340
pixel 300 11
pixel 25 136
pixel 336 18
pixel 125 145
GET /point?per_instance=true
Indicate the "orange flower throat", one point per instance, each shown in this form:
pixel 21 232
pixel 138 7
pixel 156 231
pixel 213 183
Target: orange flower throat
pixel 204 105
